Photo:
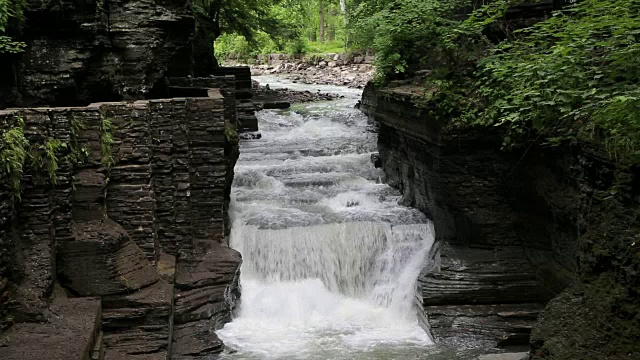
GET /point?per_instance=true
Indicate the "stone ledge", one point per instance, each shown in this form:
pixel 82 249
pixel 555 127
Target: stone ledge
pixel 69 333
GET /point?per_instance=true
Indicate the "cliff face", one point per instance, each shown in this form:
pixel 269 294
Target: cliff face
pixel 515 230
pixel 139 221
pixel 102 50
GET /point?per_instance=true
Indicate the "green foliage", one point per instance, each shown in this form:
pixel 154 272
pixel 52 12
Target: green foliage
pixel 106 143
pixel 17 153
pixel 233 46
pixel 11 11
pixel 13 153
pixel 574 75
pixel 44 158
pixel 295 31
pixel 232 135
pixel 78 155
pixel 406 33
pixel 8 46
pixel 327 47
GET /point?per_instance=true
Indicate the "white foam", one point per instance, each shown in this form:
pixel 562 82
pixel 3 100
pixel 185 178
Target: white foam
pixel 330 259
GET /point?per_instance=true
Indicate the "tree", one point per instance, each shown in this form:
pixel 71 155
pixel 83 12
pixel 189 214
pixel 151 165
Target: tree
pixel 243 17
pixel 321 15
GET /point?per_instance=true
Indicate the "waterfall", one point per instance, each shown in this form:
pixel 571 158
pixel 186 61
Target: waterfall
pixel 330 258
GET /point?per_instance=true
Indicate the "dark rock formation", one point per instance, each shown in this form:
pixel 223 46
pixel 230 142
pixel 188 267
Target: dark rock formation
pixel 144 209
pixel 515 230
pixel 247 120
pixel 71 327
pixel 104 50
pixel 207 291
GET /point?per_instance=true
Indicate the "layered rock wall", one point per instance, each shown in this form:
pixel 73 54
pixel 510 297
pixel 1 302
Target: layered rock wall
pixel 104 50
pixel 149 196
pixel 247 120
pixel 513 231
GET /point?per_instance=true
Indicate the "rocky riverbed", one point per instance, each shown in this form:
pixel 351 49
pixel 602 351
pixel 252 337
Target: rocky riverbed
pixel 266 97
pixel 334 72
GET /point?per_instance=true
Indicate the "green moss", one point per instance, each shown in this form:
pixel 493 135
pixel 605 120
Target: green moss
pixel 231 135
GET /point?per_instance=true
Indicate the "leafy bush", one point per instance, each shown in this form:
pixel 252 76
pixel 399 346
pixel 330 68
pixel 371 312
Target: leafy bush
pixel 577 74
pixel 407 34
pixel 11 10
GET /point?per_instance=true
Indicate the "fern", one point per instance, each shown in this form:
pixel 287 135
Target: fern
pixel 13 153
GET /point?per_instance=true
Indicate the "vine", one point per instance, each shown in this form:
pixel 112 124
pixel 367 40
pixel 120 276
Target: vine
pixel 78 154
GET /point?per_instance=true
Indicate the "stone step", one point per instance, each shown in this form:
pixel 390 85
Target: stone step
pixel 480 276
pixel 483 325
pixel 71 332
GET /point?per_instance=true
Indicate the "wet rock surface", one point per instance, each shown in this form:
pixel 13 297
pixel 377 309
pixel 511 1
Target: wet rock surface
pixel 102 260
pixel 207 291
pixel 480 296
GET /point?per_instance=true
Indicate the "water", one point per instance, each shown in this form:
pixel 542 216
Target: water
pixel 330 258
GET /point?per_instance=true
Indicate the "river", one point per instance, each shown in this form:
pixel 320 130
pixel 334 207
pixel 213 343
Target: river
pixel 330 258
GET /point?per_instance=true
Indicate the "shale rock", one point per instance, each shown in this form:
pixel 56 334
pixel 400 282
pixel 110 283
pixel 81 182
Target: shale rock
pixel 515 230
pixel 138 323
pixel 102 260
pixel 266 98
pixel 98 51
pixel 69 332
pixel 207 291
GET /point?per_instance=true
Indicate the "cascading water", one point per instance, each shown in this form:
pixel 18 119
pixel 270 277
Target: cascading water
pixel 330 258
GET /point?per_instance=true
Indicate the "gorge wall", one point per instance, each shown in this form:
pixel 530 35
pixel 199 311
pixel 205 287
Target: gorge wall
pixel 132 221
pixel 535 245
pixel 113 237
pixel 97 50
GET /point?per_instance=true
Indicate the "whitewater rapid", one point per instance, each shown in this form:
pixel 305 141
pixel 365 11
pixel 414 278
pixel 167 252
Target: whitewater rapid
pixel 330 260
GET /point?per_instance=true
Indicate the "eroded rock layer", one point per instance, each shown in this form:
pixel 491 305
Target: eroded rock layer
pixel 135 213
pixel 514 230
pixel 103 50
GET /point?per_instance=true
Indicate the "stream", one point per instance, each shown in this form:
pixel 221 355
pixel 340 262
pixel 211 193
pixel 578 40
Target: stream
pixel 330 258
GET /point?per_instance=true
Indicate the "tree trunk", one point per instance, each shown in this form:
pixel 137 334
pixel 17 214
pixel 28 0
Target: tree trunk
pixel 321 11
pixel 343 9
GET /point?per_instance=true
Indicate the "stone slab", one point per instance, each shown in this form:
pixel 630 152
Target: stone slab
pixel 69 333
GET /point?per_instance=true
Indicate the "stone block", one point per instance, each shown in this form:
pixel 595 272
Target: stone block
pixel 102 260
